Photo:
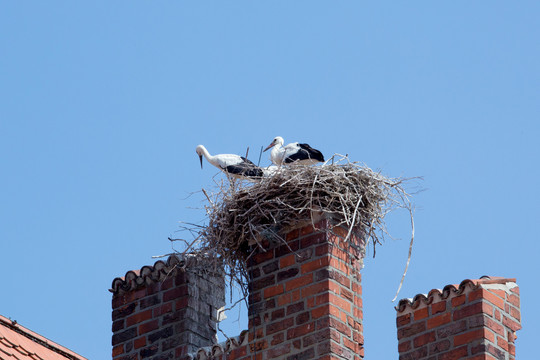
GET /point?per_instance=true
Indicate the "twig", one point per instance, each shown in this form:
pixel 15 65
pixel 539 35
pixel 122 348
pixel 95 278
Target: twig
pixel 409 256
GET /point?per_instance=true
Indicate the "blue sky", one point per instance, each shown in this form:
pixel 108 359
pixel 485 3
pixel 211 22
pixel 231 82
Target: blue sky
pixel 103 103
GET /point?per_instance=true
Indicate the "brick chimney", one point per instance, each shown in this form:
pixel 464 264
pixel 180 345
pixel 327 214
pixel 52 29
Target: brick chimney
pixel 476 319
pixel 166 311
pixel 306 297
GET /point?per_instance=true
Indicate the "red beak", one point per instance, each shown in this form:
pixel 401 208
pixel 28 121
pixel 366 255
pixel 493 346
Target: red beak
pixel 269 146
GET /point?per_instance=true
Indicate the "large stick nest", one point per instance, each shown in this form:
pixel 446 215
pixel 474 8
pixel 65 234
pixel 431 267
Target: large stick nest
pixel 241 213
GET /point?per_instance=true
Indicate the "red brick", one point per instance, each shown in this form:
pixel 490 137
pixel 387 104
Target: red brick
pixel 302 318
pixel 341 303
pixel 118 350
pixel 238 352
pixel 424 339
pixel 509 323
pixel 357 287
pixel 294 308
pixel 273 291
pixel 514 300
pixel 356 325
pixel 139 342
pixel 324 310
pixel 315 264
pixel 357 312
pixel 278 314
pixel 413 329
pixel 512 349
pixel 488 296
pixel 295 296
pixel 287 261
pixel 284 299
pixel 300 330
pixel 163 309
pixel 438 307
pixel 405 346
pixel 298 282
pixel 421 314
pixel 118 301
pixel 277 339
pixel 314 289
pixel 455 354
pixel 279 326
pixel 473 309
pixel 135 295
pixel 459 300
pixel 358 337
pixel 350 345
pixel 339 326
pixel 148 326
pixel 175 293
pixel 516 314
pixel 439 347
pixel 313 239
pixel 340 265
pixel 346 294
pixel 258 346
pixel 494 299
pixel 468 337
pixel 494 326
pixel 278 351
pixel 438 320
pixel 138 317
pixel 403 320
pixel 489 335
pixel 482 357
pixel 502 343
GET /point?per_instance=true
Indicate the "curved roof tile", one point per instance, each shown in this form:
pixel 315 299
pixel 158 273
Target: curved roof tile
pixel 448 291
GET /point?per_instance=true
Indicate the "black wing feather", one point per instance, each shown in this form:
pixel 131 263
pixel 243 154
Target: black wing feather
pixel 305 152
pixel 245 168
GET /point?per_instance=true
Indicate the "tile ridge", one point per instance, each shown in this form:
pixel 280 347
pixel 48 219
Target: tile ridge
pixel 449 290
pixel 134 279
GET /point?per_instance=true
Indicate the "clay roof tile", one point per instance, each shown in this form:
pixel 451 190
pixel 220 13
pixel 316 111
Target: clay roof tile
pixel 449 290
pixel 18 342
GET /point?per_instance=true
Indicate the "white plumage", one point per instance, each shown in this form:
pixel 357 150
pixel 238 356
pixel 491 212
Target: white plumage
pixel 293 153
pixel 235 165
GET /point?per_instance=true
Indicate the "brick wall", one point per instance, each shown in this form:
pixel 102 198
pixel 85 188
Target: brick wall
pixel 163 312
pixel 475 320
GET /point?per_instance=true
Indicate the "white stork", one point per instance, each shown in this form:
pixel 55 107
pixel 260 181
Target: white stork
pixel 234 165
pixel 293 153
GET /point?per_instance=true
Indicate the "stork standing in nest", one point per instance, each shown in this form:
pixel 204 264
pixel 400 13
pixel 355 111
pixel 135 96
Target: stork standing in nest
pixel 234 165
pixel 293 153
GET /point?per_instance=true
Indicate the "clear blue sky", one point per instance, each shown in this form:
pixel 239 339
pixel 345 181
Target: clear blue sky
pixel 102 104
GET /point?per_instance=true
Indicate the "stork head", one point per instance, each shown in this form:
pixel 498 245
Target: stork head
pixel 278 140
pixel 200 150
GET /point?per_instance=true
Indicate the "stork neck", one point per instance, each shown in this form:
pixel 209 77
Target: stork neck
pixel 211 159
